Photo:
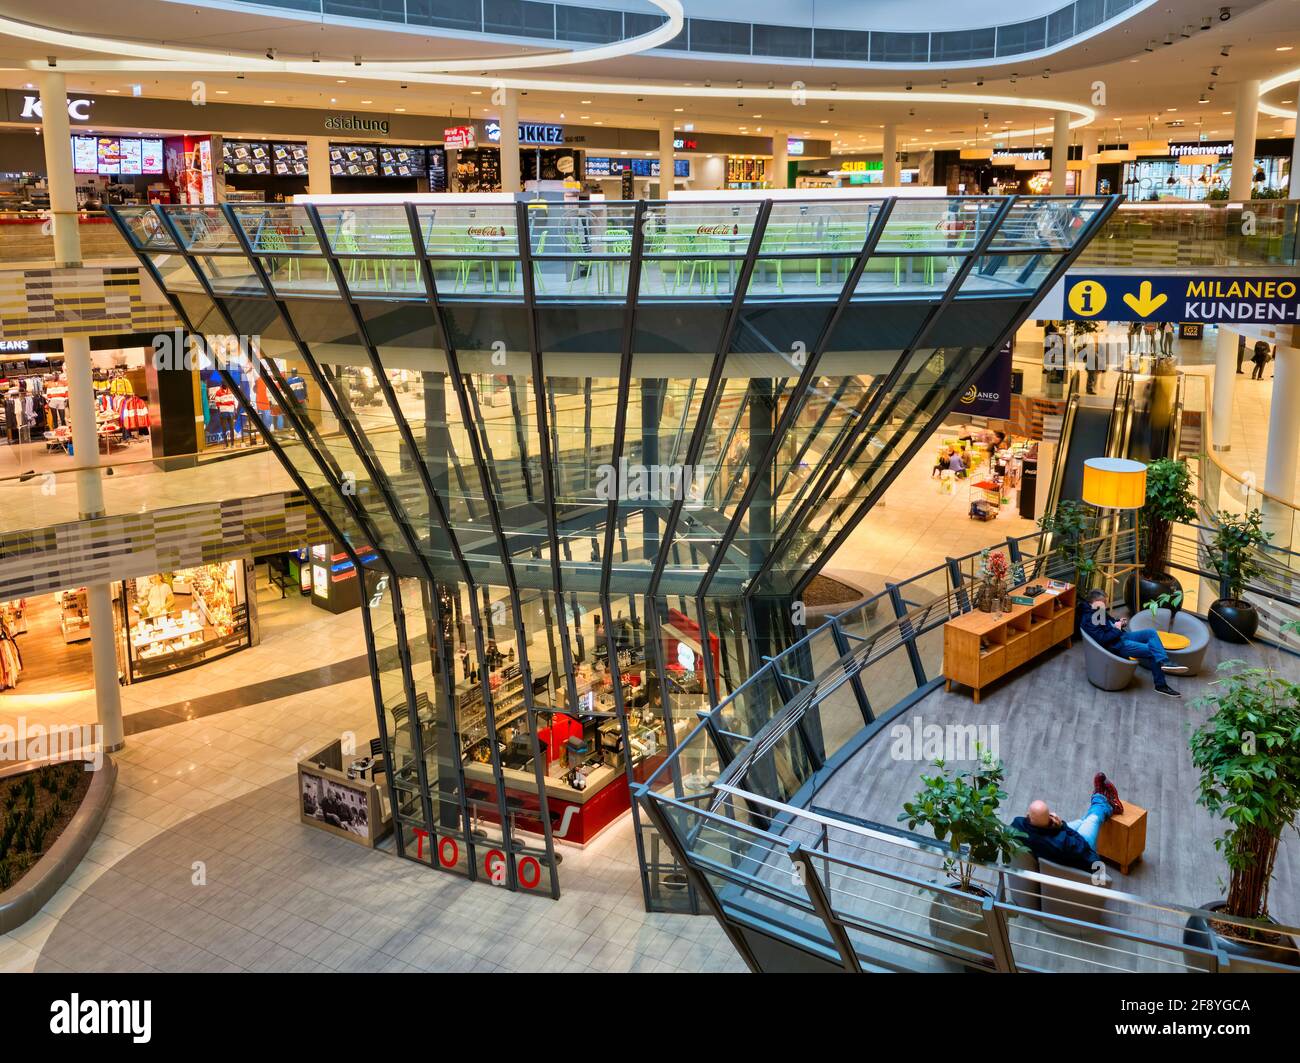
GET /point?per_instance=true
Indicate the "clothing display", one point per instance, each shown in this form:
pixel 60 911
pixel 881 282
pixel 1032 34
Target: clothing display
pixel 11 659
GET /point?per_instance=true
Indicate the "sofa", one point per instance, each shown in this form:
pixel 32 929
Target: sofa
pixel 1053 900
pixel 1106 671
pixel 1196 630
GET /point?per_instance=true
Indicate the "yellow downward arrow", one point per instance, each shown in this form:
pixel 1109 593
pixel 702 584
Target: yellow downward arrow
pixel 1145 304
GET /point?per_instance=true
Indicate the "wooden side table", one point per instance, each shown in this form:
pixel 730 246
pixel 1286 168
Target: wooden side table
pixel 1123 837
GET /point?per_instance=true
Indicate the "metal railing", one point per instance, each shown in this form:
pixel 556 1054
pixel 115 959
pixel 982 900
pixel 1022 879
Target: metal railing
pixel 27 238
pixel 736 802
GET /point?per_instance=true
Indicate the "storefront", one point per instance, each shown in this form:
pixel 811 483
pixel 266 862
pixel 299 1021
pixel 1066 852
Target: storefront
pixel 34 397
pixel 164 623
pixel 1198 170
pixel 171 621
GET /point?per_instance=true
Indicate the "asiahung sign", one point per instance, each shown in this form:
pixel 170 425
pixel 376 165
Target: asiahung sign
pixel 1182 297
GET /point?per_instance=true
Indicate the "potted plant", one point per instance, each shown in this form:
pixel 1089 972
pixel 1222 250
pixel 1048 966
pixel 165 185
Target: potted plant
pixel 1248 754
pixel 993 573
pixel 1169 500
pixel 961 808
pixel 1234 556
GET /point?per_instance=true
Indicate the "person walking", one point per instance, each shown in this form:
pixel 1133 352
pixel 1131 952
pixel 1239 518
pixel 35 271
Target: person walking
pixel 1167 340
pixel 1260 358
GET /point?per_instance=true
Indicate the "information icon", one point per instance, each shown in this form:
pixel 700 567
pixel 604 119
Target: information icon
pixel 1087 298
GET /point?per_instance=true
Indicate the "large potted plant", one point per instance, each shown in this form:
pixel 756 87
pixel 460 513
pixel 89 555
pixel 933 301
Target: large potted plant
pixel 1169 501
pixel 1075 542
pixel 1234 550
pixel 961 809
pixel 1248 754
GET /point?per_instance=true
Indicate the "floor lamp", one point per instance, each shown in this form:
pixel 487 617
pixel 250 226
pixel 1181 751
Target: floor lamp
pixel 1116 484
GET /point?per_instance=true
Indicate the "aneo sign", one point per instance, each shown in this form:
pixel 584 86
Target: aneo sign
pixel 78 109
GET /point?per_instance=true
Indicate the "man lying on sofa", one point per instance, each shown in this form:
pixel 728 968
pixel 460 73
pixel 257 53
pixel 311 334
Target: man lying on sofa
pixel 1073 844
pixel 1116 637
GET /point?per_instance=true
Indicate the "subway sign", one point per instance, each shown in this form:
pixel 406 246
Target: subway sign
pixel 1182 298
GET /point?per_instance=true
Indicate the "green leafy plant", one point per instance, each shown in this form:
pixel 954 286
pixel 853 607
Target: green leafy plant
pixel 1073 527
pixel 961 808
pixel 1164 601
pixel 1248 754
pixel 1234 550
pixel 1169 501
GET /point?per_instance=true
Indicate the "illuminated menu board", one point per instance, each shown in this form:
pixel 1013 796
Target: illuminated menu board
pixel 108 154
pixel 151 155
pixel 401 161
pixel 353 160
pixel 85 155
pixel 600 166
pixel 129 157
pixel 246 156
pixel 289 160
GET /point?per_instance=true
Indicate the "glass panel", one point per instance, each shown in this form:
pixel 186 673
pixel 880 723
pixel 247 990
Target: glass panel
pixel 203 228
pixel 277 228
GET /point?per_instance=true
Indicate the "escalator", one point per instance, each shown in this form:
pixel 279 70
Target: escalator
pixel 1142 422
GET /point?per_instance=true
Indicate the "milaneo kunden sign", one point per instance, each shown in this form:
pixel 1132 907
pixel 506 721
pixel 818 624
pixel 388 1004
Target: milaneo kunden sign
pixel 1110 297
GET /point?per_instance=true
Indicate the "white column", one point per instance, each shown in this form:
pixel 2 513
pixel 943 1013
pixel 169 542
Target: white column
pixel 510 142
pixel 1225 380
pixel 81 398
pixel 1283 444
pixel 1294 192
pixel 666 158
pixel 318 166
pixel 1088 175
pixel 1060 151
pixel 1245 122
pixel 780 175
pixel 889 153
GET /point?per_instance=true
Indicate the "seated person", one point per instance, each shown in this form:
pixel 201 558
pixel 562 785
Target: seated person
pixel 1143 646
pixel 956 463
pixel 1073 844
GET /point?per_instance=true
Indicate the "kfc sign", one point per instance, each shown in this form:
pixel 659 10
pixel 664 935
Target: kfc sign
pixel 78 110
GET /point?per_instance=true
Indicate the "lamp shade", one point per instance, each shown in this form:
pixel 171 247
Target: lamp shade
pixel 1114 483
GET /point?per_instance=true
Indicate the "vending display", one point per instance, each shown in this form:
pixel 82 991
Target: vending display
pixel 353 160
pixel 246 156
pixel 742 173
pixel 289 160
pixel 401 161
pixel 437 162
pixel 85 155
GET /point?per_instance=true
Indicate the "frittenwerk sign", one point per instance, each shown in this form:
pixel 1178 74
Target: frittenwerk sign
pixel 1182 297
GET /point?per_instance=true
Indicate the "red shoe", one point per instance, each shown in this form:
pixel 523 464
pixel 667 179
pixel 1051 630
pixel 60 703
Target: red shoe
pixel 1102 785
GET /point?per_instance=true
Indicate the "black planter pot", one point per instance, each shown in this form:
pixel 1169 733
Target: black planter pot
pixel 1200 934
pixel 1143 590
pixel 1233 620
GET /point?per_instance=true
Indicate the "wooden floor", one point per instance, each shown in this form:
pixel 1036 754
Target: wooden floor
pixel 51 666
pixel 1053 731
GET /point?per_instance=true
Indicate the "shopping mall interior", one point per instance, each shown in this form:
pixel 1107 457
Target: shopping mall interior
pixel 526 487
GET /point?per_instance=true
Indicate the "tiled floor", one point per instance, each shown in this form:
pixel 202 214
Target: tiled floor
pixel 218 793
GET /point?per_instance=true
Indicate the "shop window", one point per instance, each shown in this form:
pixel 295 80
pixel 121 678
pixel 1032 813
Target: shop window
pixel 783 40
pixel 587 24
pixel 900 47
pixel 634 25
pixel 449 14
pixel 962 45
pixel 519 18
pixel 854 45
pixel 710 35
pixel 1117 7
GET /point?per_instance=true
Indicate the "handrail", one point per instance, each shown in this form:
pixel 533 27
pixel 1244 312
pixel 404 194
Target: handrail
pixel 187 460
pixel 1207 435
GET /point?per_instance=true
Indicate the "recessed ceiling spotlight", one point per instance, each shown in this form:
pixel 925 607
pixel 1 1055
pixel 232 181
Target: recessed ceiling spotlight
pixel 1207 22
pixel 1284 48
pixel 1150 45
pixel 1225 13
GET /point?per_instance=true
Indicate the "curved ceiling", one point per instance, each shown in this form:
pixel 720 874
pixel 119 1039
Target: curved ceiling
pixel 1139 89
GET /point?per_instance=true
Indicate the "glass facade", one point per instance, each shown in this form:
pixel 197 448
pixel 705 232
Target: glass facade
pixel 590 454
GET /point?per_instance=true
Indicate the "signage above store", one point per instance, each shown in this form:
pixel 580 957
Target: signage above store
pixel 793 146
pixel 355 123
pixel 1189 297
pixel 459 136
pixel 529 133
pixel 684 144
pixel 21 346
pixel 1201 147
pixel 1011 156
pixel 78 109
pixel 860 165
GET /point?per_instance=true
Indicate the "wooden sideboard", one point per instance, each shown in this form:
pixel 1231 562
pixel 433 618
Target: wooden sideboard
pixel 980 647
